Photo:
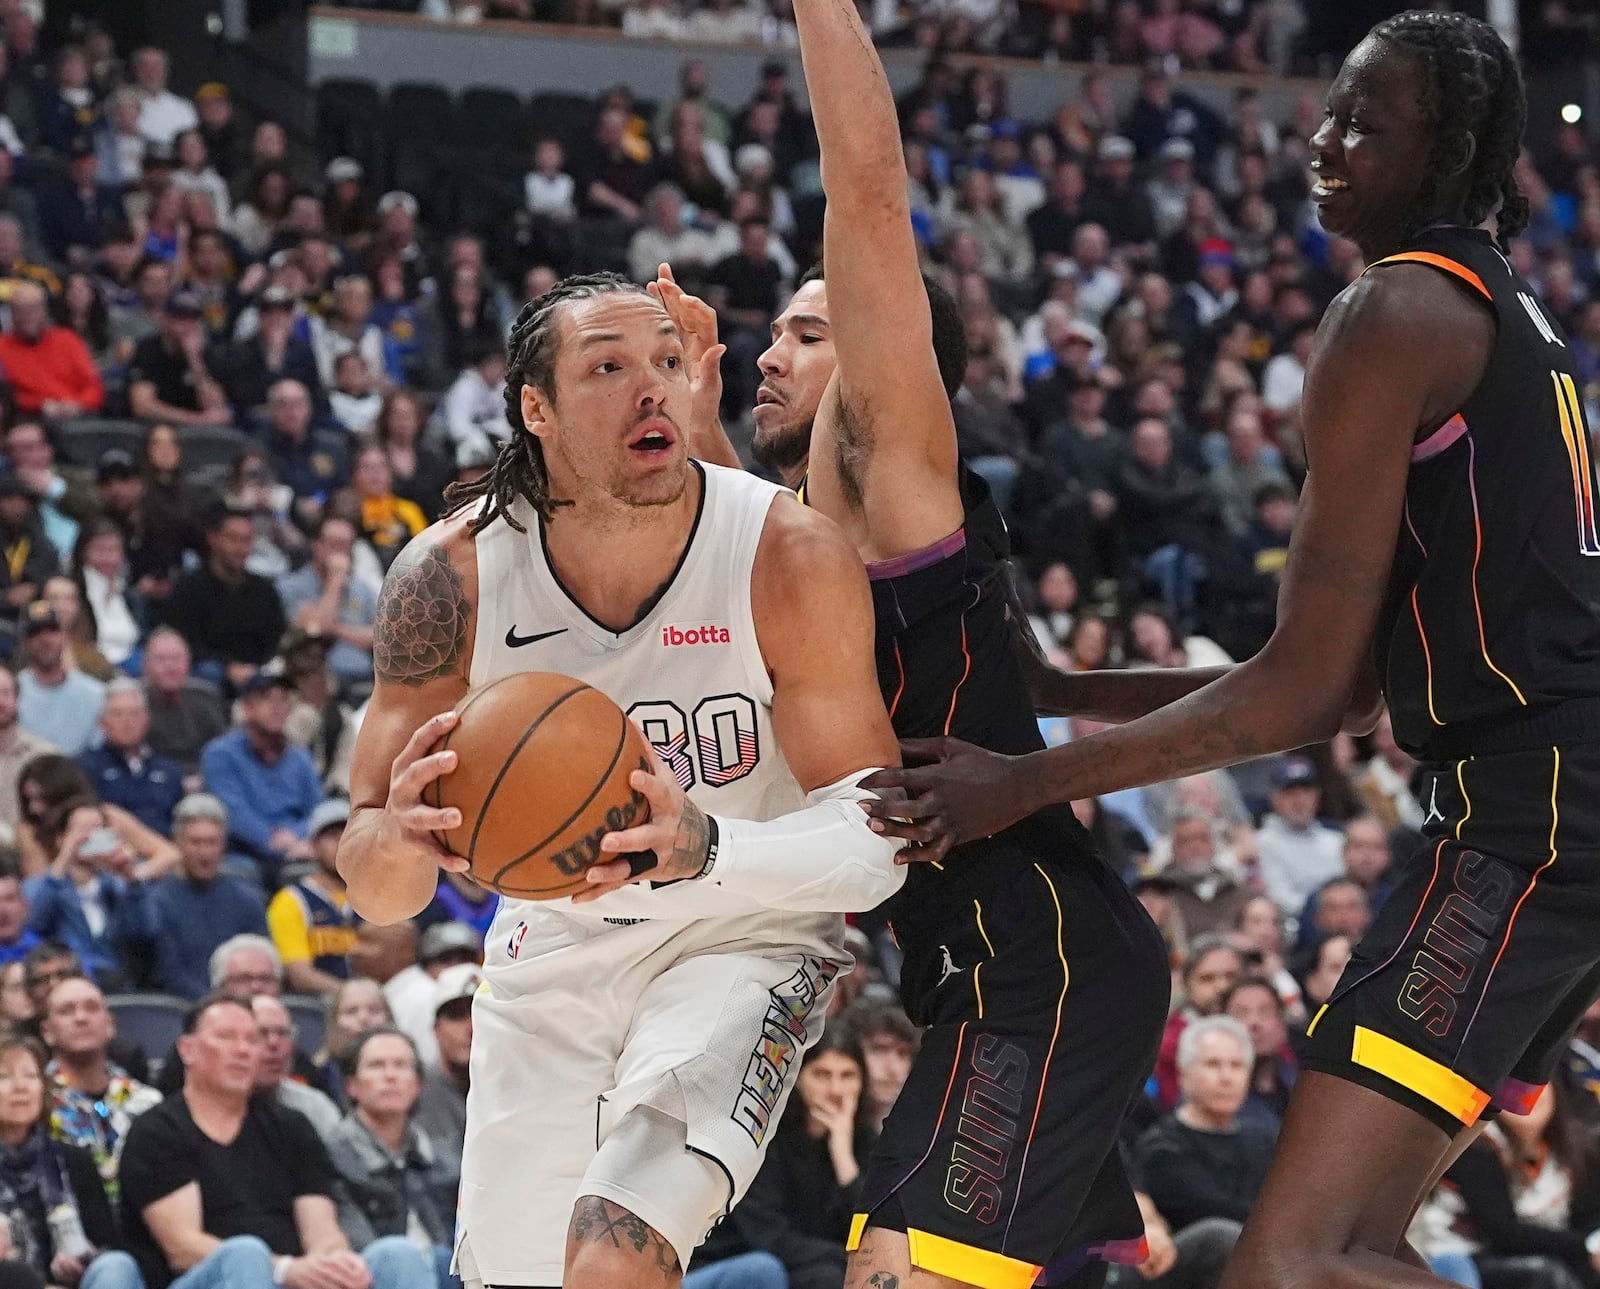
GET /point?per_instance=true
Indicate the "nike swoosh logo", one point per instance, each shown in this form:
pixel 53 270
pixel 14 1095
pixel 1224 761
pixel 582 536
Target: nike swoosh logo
pixel 514 641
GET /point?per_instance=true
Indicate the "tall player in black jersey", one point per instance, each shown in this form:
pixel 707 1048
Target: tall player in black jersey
pixel 1042 983
pixel 1447 546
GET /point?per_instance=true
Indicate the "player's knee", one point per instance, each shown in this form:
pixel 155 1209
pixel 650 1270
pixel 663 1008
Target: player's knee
pixel 609 1247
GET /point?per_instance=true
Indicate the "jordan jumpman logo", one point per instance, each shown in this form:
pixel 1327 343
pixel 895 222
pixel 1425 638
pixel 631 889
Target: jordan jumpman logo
pixel 1433 806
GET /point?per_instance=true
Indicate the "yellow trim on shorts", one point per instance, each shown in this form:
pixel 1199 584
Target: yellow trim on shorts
pixel 1315 1020
pixel 858 1224
pixel 1421 1074
pixel 970 1265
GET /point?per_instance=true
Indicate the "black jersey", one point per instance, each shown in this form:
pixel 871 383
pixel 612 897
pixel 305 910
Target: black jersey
pixel 948 665
pixel 1489 639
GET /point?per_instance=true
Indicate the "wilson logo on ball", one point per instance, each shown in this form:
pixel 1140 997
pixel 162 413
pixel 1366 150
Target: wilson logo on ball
pixel 707 634
pixel 586 850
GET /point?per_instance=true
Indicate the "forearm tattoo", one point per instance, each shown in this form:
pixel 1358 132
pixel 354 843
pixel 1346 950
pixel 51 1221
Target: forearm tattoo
pixel 421 629
pixel 599 1221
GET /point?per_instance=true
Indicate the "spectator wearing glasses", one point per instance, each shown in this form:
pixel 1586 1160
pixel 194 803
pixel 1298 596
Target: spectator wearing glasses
pixel 277 1059
pixel 51 964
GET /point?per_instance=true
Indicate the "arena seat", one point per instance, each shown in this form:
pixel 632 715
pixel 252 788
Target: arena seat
pixel 350 122
pixel 209 447
pixel 81 442
pixel 421 127
pixel 310 1016
pixel 568 117
pixel 153 1021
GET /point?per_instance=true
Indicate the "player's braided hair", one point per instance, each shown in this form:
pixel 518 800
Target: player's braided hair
pixel 518 469
pixel 1474 86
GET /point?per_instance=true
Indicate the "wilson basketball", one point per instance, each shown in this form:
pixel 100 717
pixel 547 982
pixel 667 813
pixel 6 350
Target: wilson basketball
pixel 541 776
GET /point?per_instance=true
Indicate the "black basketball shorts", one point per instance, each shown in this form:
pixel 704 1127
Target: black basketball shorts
pixel 1044 1004
pixel 1466 989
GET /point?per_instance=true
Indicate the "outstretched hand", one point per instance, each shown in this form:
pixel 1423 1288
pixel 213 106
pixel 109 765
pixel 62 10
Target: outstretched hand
pixel 702 354
pixel 955 793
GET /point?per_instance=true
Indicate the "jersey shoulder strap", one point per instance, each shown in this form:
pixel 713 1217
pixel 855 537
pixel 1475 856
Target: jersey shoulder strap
pixel 1442 262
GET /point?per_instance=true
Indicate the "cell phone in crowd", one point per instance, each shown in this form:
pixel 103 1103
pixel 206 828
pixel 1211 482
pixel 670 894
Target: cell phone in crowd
pixel 100 843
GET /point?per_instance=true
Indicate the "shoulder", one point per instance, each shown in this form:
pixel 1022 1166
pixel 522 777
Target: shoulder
pixel 1380 315
pixel 160 1126
pixel 798 542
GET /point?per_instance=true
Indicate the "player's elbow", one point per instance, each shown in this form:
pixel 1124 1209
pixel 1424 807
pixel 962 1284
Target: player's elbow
pixel 1361 715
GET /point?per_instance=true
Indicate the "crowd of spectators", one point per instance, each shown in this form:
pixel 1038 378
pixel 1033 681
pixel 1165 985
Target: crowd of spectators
pixel 190 641
pixel 1283 36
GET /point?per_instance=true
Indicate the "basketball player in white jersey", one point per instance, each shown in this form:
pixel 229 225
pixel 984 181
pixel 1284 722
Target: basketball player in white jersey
pixel 633 1049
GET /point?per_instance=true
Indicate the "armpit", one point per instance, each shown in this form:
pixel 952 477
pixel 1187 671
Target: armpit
pixel 421 628
pixel 853 438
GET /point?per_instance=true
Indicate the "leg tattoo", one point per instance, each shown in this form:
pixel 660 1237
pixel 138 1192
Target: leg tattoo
pixel 599 1221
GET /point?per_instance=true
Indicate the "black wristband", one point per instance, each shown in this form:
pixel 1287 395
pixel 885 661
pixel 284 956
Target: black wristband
pixel 713 839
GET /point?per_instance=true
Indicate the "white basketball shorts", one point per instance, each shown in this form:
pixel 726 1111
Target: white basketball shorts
pixel 581 1021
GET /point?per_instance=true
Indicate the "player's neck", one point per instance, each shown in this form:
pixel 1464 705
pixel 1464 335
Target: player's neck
pixel 794 475
pixel 613 558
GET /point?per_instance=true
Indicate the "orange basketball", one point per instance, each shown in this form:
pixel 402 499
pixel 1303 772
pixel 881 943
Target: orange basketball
pixel 541 776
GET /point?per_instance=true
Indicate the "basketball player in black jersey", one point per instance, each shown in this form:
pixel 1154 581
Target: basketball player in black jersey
pixel 1042 983
pixel 1446 546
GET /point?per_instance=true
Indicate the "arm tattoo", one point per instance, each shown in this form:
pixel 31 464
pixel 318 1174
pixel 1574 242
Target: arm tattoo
pixel 421 628
pixel 599 1221
pixel 689 847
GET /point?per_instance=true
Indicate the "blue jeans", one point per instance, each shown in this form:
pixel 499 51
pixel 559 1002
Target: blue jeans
pixel 112 1270
pixel 746 1271
pixel 1457 1267
pixel 245 1262
pixel 442 1256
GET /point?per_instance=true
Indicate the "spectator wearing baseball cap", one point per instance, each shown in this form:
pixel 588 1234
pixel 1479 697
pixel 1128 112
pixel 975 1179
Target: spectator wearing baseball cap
pixel 76 209
pixel 269 785
pixel 442 1107
pixel 1299 853
pixel 347 214
pixel 441 946
pixel 248 368
pixel 56 702
pixel 312 922
pixel 168 379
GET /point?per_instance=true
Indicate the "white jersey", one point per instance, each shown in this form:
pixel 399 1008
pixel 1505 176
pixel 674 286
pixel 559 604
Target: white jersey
pixel 687 1007
pixel 690 673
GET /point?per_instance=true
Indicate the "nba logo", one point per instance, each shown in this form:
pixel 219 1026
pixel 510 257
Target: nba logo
pixel 514 945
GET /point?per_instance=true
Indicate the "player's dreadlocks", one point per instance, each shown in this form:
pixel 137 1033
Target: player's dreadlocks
pixel 519 469
pixel 1473 86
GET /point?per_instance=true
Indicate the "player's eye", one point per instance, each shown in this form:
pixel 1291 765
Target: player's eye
pixel 607 367
pixel 810 340
pixel 673 362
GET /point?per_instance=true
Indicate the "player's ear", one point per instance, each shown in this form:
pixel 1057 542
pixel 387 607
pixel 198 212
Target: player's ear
pixel 535 411
pixel 1456 151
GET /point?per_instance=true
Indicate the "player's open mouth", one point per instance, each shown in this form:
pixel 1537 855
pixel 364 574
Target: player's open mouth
pixel 765 396
pixel 652 436
pixel 1325 186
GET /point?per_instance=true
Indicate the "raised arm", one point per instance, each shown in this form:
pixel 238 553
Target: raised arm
pixel 1368 393
pixel 421 652
pixel 883 446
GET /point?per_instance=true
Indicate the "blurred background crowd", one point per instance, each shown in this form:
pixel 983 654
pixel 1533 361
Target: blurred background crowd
pixel 241 358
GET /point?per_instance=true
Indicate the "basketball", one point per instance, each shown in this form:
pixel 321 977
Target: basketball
pixel 541 776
